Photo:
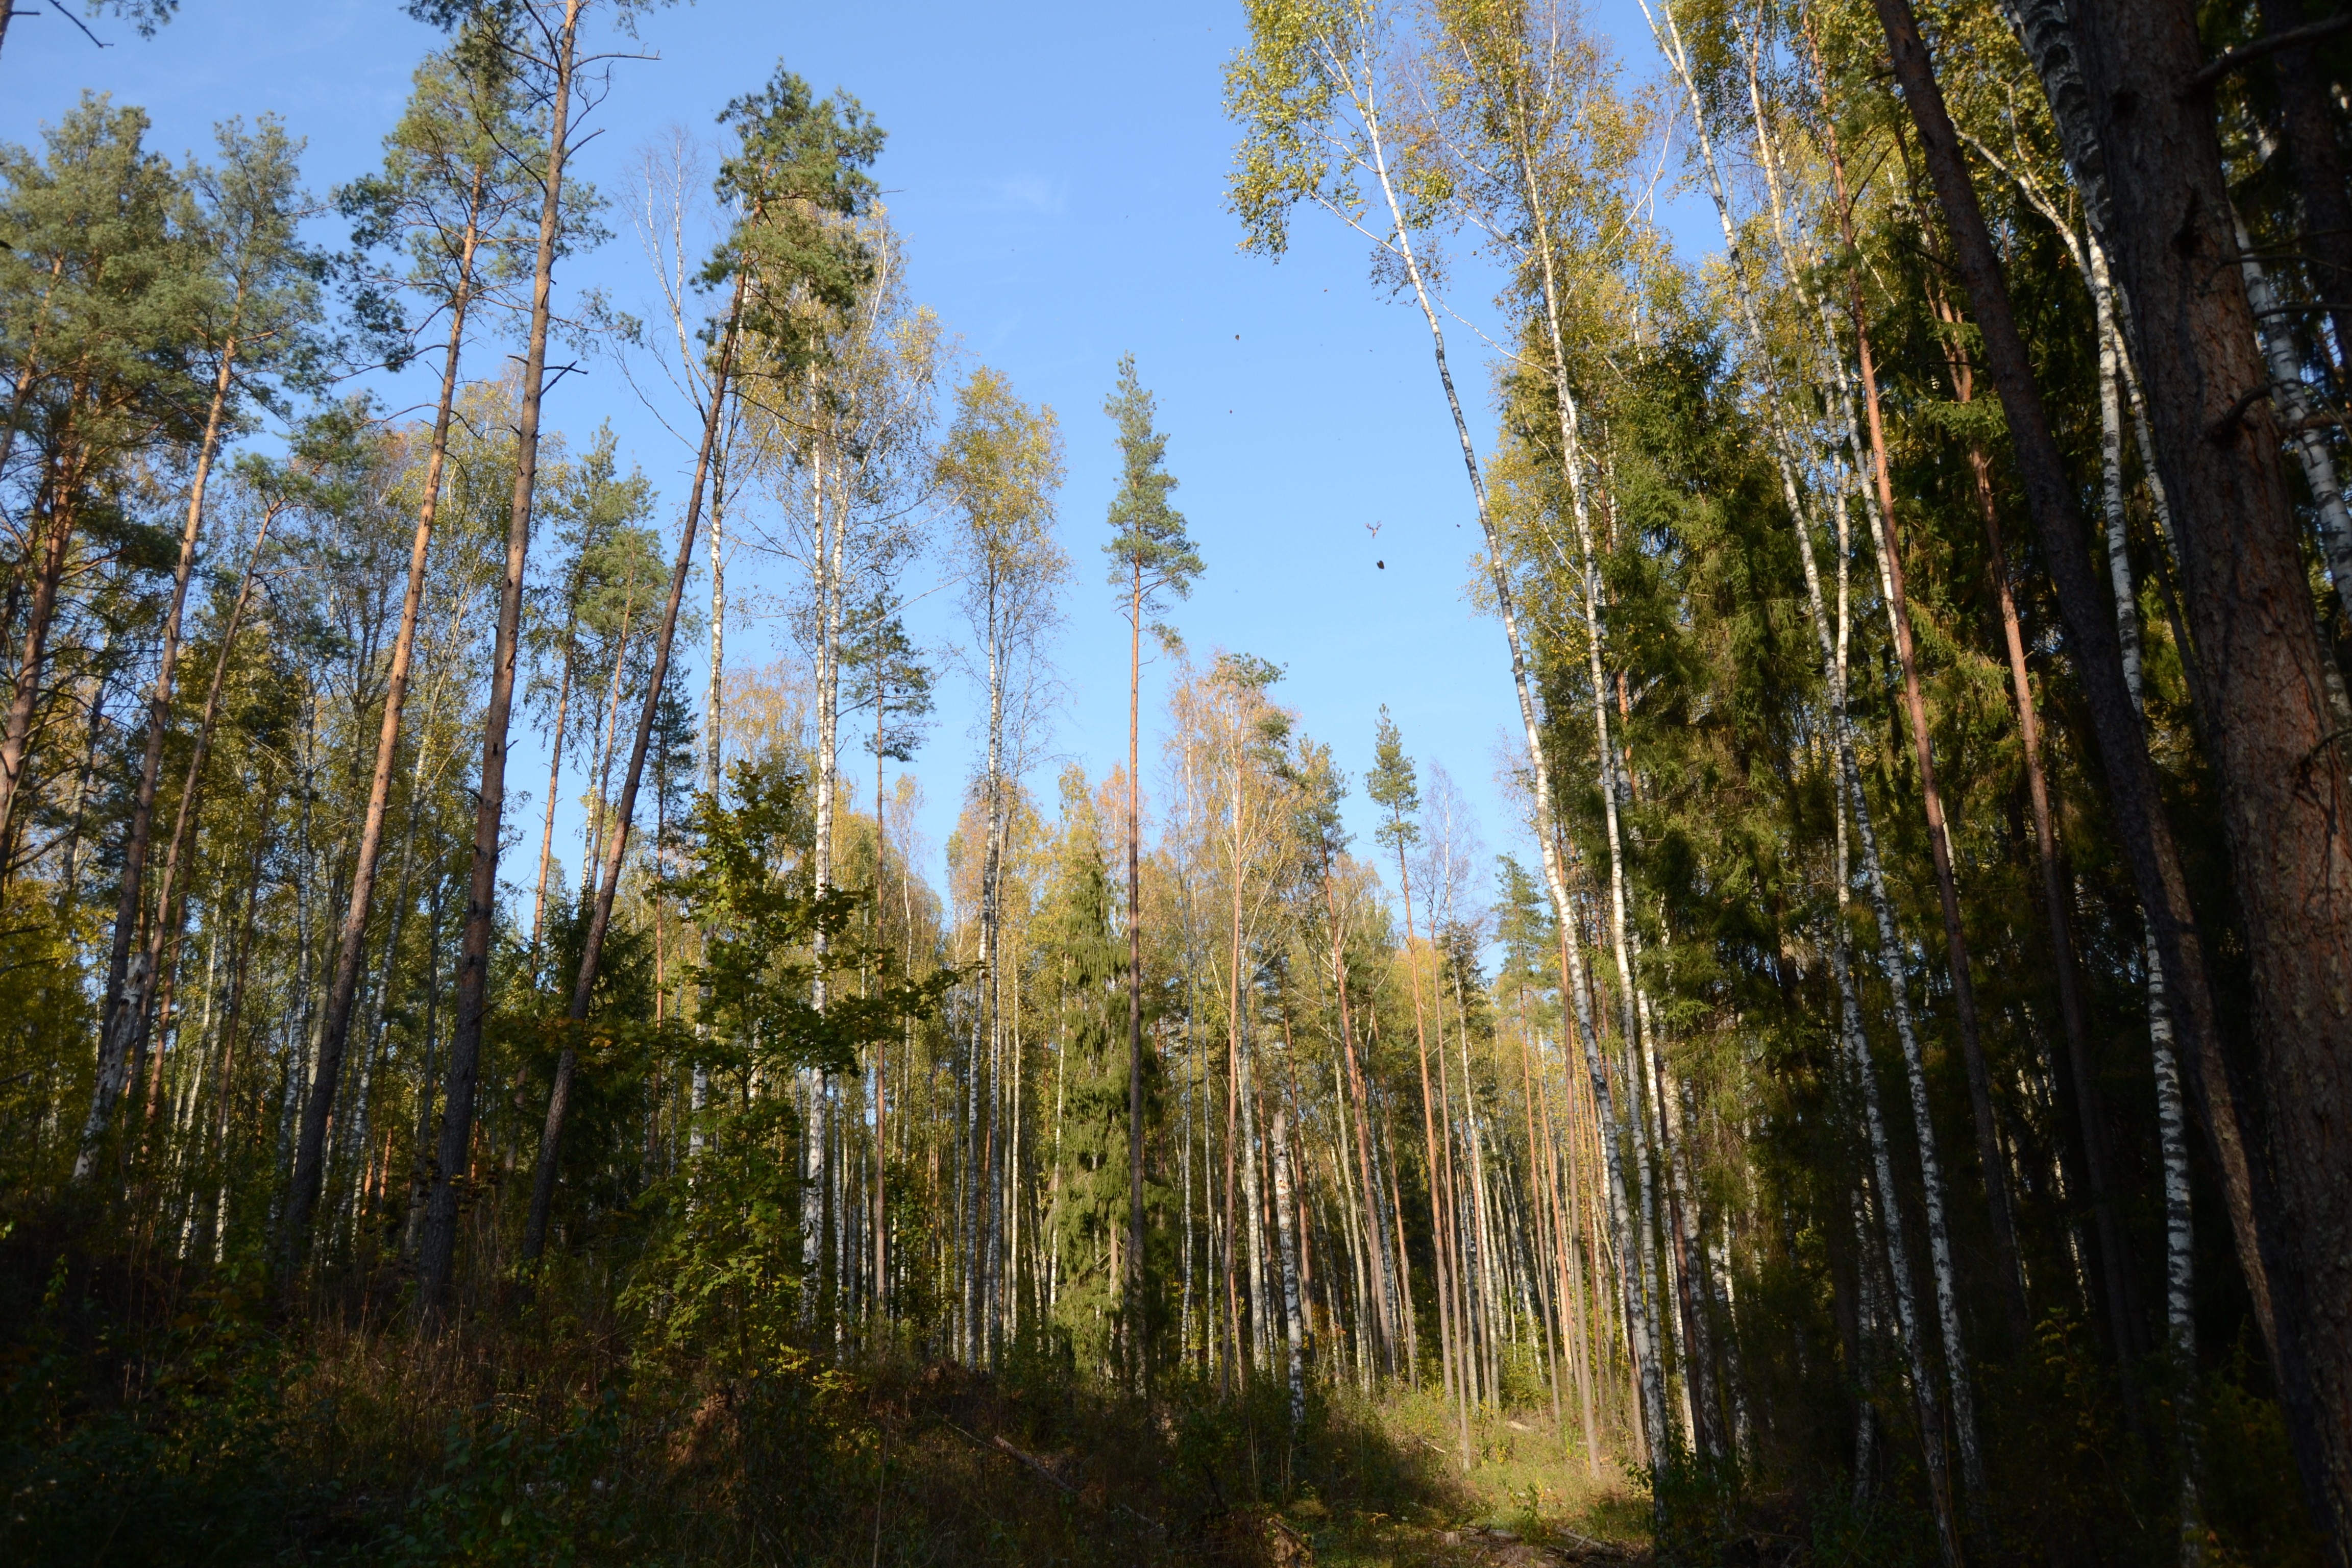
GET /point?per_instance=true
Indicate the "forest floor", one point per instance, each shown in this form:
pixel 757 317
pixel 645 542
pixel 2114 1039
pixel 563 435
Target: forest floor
pixel 173 1419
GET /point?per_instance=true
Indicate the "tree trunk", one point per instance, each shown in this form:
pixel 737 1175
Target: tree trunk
pixel 351 944
pixel 146 963
pixel 2159 197
pixel 1539 767
pixel 600 919
pixel 592 849
pixel 1886 546
pixel 1137 1330
pixel 1385 1351
pixel 2308 122
pixel 881 1217
pixel 1448 1336
pixel 2172 1145
pixel 2303 425
pixel 114 1036
pixel 1289 1244
pixel 54 537
pixel 554 783
pixel 1890 1218
pixel 1848 768
pixel 437 1254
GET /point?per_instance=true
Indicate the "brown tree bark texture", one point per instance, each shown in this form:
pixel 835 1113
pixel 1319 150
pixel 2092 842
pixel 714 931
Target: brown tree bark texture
pixel 2159 190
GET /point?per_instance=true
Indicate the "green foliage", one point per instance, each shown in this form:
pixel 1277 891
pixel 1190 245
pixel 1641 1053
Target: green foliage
pixel 458 194
pixel 1393 786
pixel 750 892
pixel 105 285
pixel 1282 89
pixel 1150 552
pixel 45 1013
pixel 800 163
pixel 511 1494
pixel 178 1457
pixel 1089 1014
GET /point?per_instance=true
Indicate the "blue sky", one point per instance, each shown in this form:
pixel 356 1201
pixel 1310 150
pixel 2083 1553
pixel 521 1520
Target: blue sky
pixel 1058 172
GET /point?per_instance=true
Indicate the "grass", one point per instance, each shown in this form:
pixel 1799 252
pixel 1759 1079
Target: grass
pixel 145 1420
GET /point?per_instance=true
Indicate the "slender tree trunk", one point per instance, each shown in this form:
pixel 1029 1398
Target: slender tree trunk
pixel 1539 767
pixel 1886 545
pixel 2308 122
pixel 1395 1192
pixel 135 1000
pixel 1233 1119
pixel 1289 1244
pixel 592 849
pixel 1572 465
pixel 2115 1252
pixel 1891 946
pixel 451 1176
pixel 115 1036
pixel 2179 1269
pixel 1889 550
pixel 811 1085
pixel 1642 1268
pixel 342 992
pixel 1569 1272
pixel 1252 1158
pixel 214 1221
pixel 2171 1124
pixel 554 784
pixel 2307 437
pixel 53 540
pixel 1891 1227
pixel 881 1055
pixel 1553 1308
pixel 1385 1349
pixel 1448 1338
pixel 1449 1238
pixel 1136 1282
pixel 600 919
pixel 1481 1233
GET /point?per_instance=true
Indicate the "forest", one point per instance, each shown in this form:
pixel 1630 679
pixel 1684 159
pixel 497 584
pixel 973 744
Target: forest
pixel 1886 1103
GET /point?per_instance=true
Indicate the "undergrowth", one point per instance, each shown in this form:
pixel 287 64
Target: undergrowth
pixel 193 1420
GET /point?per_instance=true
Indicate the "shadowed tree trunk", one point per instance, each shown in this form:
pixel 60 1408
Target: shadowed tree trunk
pixel 2150 165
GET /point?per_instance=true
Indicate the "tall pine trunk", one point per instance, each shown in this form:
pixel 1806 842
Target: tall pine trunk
pixel 600 919
pixel 452 1175
pixel 128 978
pixel 342 991
pixel 1136 1282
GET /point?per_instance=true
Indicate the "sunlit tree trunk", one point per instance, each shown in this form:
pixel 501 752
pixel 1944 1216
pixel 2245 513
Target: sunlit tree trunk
pixel 452 1173
pixel 343 989
pixel 1289 1245
pixel 542 1189
pixel 128 977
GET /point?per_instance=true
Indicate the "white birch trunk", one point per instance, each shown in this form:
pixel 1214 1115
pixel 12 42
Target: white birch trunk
pixel 2172 1130
pixel 1891 948
pixel 1639 1332
pixel 1293 1324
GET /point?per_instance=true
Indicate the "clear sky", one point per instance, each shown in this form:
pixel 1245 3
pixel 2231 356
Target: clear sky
pixel 1058 171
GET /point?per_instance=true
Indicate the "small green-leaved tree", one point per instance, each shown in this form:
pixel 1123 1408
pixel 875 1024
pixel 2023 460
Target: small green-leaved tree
pixel 722 1275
